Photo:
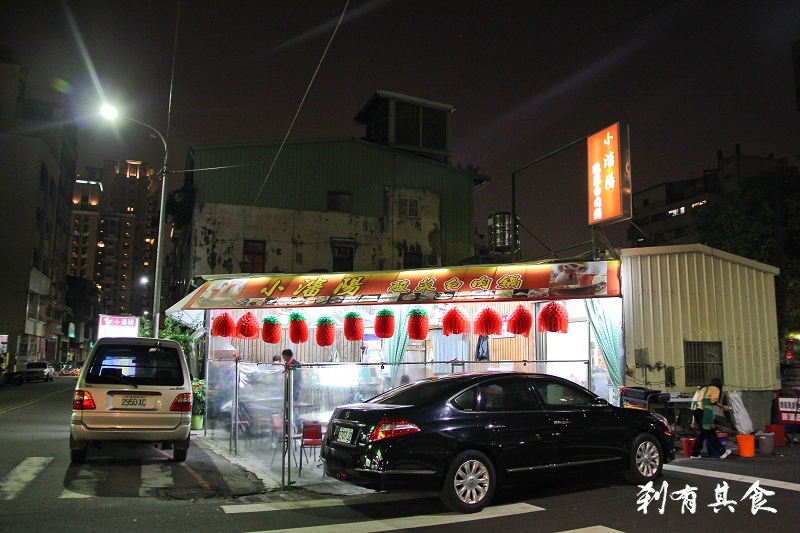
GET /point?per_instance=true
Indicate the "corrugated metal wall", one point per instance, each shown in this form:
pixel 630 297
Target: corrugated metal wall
pixel 695 293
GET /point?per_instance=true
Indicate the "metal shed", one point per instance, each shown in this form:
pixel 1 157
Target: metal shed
pixel 702 311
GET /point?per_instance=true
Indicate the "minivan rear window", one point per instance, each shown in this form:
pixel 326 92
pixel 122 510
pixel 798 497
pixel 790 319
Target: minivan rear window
pixel 135 365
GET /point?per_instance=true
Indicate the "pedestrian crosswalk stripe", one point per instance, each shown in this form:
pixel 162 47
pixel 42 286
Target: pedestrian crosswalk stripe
pixel 775 483
pixel 593 529
pixel 394 524
pixel 324 502
pixel 20 477
pixel 155 476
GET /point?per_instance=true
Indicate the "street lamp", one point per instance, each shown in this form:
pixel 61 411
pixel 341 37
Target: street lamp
pixel 110 112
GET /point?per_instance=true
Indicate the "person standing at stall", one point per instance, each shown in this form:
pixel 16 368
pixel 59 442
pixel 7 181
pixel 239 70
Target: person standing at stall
pixel 703 404
pixel 293 366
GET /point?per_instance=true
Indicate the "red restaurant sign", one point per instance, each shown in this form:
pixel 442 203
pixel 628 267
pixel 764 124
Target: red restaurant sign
pixel 481 283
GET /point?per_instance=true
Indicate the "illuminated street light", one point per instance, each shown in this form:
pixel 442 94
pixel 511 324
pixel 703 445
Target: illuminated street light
pixel 110 112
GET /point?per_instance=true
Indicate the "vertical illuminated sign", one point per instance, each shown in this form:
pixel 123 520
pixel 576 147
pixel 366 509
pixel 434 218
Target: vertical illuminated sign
pixel 609 177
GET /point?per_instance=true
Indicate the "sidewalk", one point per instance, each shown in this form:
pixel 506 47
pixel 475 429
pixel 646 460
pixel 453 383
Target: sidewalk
pixel 311 484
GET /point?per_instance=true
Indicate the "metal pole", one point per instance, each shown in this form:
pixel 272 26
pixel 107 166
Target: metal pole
pixel 160 237
pixel 514 186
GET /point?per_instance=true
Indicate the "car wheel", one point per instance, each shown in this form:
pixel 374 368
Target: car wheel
pixel 179 455
pixel 469 484
pixel 646 460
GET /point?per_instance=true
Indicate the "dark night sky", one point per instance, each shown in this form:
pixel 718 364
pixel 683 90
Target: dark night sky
pixel 526 77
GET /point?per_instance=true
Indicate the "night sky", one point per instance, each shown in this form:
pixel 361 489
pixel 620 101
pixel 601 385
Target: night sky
pixel 526 77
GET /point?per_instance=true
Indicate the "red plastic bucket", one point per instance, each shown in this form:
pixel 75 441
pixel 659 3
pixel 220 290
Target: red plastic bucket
pixel 780 433
pixel 687 446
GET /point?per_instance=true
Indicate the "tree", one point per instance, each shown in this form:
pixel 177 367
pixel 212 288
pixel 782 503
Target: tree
pixel 762 223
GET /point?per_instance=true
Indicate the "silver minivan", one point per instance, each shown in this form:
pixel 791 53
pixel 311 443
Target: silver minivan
pixel 135 390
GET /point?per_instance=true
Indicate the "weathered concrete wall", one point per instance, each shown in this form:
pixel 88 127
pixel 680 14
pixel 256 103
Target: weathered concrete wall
pixel 299 241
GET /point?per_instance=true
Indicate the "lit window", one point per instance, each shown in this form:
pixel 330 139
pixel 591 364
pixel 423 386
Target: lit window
pixel 676 212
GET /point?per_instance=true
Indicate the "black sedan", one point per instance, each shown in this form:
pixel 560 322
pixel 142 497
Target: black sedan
pixel 466 434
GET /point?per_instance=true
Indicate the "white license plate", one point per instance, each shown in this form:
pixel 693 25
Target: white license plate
pixel 344 435
pixel 133 402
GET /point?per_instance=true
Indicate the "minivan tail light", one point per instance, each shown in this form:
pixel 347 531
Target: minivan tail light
pixel 388 428
pixel 82 401
pixel 182 402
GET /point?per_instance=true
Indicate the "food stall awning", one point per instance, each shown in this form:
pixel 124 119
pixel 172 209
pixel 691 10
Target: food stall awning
pixel 478 283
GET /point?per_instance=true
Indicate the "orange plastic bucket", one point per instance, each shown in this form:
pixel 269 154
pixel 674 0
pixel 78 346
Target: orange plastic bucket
pixel 687 446
pixel 780 433
pixel 747 445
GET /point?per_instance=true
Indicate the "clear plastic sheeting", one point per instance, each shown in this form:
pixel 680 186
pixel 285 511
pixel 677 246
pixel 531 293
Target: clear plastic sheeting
pixel 246 402
pixel 741 419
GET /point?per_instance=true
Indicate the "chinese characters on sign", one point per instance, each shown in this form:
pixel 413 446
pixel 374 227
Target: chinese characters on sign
pixel 117 326
pixel 608 179
pixel 789 410
pixel 465 284
pixel 688 498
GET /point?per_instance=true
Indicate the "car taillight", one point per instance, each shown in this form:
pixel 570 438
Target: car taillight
pixel 387 428
pixel 182 402
pixel 82 401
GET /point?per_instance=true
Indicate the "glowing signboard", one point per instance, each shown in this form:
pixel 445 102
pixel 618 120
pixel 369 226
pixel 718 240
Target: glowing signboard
pixel 480 283
pixel 117 326
pixel 609 177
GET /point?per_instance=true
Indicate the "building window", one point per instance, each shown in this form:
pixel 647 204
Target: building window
pixel 253 258
pixel 412 260
pixel 408 207
pixel 339 201
pixel 342 258
pixel 702 362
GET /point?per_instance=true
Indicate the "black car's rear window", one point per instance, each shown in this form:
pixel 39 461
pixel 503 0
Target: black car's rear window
pixel 37 365
pixel 135 365
pixel 415 393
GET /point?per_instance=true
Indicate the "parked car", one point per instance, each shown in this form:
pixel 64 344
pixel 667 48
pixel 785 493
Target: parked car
pixel 38 371
pixel 466 434
pixel 132 389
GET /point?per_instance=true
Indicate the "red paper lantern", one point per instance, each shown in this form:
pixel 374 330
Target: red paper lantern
pixel 223 326
pixel 553 317
pixel 488 322
pixel 520 321
pixel 384 324
pixel 298 329
pixel 454 322
pixel 325 333
pixel 271 330
pixel 247 326
pixel 418 324
pixel 353 326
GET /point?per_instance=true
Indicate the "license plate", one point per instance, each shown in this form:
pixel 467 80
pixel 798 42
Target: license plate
pixel 344 435
pixel 133 402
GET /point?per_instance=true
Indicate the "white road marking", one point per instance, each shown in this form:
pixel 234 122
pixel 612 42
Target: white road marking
pixel 85 482
pixel 394 524
pixel 326 502
pixel 593 529
pixel 735 477
pixel 155 476
pixel 20 477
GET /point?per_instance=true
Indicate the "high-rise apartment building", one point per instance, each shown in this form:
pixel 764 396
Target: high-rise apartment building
pixel 38 150
pixel 113 230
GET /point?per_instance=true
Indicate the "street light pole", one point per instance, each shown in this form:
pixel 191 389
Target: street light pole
pixel 109 112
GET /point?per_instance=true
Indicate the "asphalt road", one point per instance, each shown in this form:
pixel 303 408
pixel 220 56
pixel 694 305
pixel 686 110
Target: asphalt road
pixel 125 488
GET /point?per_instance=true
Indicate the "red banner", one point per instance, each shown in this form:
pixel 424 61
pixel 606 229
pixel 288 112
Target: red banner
pixel 481 283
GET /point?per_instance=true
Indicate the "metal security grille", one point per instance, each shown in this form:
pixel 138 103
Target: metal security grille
pixel 703 362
